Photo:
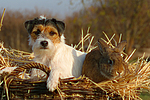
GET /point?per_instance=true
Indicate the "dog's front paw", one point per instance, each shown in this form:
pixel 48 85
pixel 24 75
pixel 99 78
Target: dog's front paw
pixel 52 84
pixel 7 69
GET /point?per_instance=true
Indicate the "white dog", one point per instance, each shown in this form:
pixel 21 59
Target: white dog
pixel 47 41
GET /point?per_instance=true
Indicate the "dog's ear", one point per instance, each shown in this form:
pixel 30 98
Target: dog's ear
pixel 29 25
pixel 60 26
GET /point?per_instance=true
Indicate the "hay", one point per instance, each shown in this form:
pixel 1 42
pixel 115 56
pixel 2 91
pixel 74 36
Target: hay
pixel 129 86
pixel 2 19
pixel 123 87
pixel 12 57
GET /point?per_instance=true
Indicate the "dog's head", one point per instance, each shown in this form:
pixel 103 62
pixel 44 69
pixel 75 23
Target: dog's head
pixel 44 33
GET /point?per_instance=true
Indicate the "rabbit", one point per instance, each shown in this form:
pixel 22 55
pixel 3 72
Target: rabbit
pixel 105 63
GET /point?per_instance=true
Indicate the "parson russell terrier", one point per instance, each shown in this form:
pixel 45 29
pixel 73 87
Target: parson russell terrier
pixel 47 41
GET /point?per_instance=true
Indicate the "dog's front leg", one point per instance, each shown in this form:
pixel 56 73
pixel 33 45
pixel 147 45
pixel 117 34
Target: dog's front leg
pixel 7 69
pixel 53 79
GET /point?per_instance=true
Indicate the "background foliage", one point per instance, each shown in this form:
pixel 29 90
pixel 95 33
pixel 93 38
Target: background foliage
pixel 130 18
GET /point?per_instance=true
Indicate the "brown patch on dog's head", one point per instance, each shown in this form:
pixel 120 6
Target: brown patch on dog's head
pixel 37 29
pixel 51 28
pixel 59 25
pixel 52 33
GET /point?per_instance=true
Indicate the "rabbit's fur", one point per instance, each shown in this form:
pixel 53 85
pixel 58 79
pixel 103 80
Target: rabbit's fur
pixel 105 63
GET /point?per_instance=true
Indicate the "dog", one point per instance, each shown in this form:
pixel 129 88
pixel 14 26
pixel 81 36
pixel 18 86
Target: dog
pixel 49 48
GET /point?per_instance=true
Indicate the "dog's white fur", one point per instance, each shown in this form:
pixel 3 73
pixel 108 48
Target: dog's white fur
pixel 64 60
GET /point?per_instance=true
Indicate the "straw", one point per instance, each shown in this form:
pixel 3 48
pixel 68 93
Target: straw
pixel 1 23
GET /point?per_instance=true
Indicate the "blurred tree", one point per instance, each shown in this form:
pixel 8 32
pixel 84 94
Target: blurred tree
pixel 13 32
pixel 131 18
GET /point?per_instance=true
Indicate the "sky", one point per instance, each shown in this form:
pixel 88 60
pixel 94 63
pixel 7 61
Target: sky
pixel 59 7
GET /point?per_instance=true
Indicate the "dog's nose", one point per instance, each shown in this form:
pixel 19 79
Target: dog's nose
pixel 44 43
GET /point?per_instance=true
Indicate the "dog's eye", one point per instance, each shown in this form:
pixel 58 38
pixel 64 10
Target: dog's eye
pixel 110 62
pixel 52 33
pixel 37 32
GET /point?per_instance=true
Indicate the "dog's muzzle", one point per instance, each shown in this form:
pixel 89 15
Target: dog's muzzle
pixel 44 44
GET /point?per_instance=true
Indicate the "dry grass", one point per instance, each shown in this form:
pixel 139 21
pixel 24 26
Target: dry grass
pixel 1 22
pixel 129 86
pixel 123 87
pixel 87 37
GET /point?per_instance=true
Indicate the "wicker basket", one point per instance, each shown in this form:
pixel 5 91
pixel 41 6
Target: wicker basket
pixel 71 88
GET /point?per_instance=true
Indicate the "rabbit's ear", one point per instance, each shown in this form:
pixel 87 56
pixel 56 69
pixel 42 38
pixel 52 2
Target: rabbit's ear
pixel 120 46
pixel 102 46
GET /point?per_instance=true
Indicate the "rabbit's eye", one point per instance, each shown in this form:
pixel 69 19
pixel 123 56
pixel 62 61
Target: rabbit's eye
pixel 110 62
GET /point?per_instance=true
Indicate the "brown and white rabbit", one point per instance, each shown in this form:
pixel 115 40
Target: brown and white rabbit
pixel 105 62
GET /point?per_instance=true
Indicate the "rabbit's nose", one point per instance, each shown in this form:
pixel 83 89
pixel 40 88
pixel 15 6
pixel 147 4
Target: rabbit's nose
pixel 119 73
pixel 122 73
